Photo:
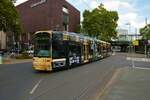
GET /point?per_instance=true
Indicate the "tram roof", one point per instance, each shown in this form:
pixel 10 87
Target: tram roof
pixel 81 35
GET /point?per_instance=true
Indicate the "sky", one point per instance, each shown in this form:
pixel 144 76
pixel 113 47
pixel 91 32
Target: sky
pixel 130 11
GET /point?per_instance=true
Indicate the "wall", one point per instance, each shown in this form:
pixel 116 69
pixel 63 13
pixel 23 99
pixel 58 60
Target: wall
pixel 46 16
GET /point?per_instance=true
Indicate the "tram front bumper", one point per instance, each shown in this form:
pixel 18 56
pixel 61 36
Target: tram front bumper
pixel 43 64
pixel 42 68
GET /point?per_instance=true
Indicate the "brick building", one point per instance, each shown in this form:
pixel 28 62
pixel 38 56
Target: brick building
pixel 47 15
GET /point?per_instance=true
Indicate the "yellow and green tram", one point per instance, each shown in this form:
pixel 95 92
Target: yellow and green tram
pixel 54 50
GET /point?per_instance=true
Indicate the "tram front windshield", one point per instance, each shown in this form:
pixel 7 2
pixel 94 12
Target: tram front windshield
pixel 42 45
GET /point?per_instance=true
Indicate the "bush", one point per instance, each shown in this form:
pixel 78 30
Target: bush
pixel 24 56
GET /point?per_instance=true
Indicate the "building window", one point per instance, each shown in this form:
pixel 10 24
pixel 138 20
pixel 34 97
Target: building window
pixel 65 10
pixel 65 22
pixel 65 18
pixel 65 27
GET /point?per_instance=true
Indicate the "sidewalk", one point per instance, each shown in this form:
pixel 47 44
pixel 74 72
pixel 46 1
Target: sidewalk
pixel 130 84
pixel 14 61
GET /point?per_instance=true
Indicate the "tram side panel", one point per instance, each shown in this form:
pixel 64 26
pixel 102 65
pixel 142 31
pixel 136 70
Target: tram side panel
pixel 73 53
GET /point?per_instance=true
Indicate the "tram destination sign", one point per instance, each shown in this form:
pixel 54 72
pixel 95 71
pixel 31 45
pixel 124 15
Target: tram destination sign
pixel 37 3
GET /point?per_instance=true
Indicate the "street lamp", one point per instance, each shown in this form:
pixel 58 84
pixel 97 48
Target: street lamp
pixel 128 29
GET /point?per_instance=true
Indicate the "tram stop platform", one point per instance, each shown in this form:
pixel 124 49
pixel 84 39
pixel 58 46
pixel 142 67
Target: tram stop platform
pixel 129 84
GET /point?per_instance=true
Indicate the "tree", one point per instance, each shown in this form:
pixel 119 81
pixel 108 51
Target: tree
pixel 145 32
pixel 78 28
pixel 100 23
pixel 13 1
pixel 9 19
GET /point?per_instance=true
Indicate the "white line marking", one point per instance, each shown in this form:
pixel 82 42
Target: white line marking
pixel 108 85
pixel 142 68
pixel 138 59
pixel 35 87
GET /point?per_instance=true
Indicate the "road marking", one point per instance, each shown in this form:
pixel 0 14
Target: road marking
pixel 142 68
pixel 108 85
pixel 36 86
pixel 138 59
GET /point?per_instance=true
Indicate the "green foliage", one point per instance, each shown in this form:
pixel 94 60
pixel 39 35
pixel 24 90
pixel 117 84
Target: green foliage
pixel 9 18
pixel 78 29
pixel 13 1
pixel 100 23
pixel 145 32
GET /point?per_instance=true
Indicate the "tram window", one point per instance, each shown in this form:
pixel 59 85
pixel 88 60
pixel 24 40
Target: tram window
pixel 57 36
pixel 43 53
pixel 74 49
pixel 58 49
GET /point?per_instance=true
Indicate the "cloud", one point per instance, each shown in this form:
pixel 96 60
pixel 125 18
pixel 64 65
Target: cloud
pixel 133 18
pixel 94 4
pixel 127 13
pixel 118 5
pixel 20 1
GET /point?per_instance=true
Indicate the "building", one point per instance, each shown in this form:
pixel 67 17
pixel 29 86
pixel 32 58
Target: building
pixel 56 15
pixel 122 31
pixel 123 35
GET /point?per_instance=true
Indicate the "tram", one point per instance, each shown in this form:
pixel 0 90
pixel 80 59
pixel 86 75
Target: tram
pixel 54 49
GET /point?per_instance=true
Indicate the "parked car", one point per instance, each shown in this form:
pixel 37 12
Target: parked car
pixel 15 50
pixel 3 51
pixel 30 52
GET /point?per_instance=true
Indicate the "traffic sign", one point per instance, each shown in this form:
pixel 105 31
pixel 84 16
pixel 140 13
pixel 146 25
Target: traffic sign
pixel 135 43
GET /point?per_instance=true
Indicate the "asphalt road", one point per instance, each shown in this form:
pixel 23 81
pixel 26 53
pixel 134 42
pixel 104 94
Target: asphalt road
pixel 21 82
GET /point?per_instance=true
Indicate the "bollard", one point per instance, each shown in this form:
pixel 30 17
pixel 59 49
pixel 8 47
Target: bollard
pixel 1 59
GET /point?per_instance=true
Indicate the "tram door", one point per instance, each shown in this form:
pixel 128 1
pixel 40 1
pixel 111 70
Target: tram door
pixel 86 52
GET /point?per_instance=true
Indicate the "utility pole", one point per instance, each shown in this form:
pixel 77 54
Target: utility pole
pixel 129 30
pixel 131 46
pixel 136 35
pixel 145 40
pixel 146 20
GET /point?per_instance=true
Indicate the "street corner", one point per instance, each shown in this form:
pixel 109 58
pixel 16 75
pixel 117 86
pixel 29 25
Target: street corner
pixel 128 84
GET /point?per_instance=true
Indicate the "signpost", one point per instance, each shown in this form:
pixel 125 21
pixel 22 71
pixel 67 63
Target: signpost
pixel 135 43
